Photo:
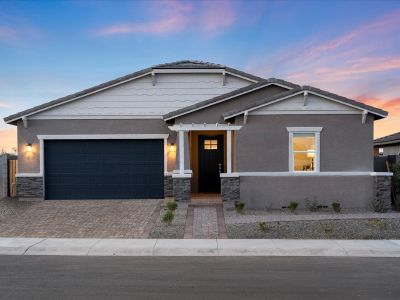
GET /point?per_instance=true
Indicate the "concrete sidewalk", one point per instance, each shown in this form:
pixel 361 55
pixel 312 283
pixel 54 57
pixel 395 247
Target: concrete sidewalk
pixel 198 247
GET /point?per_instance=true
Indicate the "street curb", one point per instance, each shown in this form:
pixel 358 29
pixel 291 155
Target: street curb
pixel 198 247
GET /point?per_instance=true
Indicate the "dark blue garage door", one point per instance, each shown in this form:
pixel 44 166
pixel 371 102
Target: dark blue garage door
pixel 104 169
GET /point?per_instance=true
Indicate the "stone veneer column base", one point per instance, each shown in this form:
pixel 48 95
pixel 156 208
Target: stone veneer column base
pixel 182 188
pixel 230 188
pixel 383 192
pixel 30 187
pixel 168 186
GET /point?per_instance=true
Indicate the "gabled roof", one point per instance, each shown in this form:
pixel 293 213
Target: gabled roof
pixel 378 113
pixel 184 64
pixel 244 90
pixel 387 140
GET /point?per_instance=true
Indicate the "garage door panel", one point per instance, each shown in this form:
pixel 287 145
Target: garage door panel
pixel 104 169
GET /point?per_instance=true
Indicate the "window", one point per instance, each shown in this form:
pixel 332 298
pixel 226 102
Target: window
pixel 210 144
pixel 304 149
pixel 380 151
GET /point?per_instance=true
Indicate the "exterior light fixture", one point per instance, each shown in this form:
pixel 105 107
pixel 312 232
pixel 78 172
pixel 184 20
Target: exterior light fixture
pixel 172 147
pixel 29 147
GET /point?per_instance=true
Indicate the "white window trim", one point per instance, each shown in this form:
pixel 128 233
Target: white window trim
pixel 317 158
pixel 41 139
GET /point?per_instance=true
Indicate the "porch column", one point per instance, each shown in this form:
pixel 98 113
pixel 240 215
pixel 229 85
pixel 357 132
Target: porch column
pixel 181 152
pixel 229 151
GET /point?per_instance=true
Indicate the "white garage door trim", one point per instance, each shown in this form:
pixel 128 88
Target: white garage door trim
pixel 42 138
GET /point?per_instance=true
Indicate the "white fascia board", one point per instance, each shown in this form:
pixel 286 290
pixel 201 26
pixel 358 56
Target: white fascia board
pixel 244 77
pixel 79 97
pixel 101 136
pixel 345 103
pixel 299 93
pixel 219 101
pixel 198 127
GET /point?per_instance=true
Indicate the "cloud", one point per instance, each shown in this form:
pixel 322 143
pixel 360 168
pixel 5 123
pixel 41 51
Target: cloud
pixel 390 124
pixel 175 16
pixel 8 139
pixel 9 34
pixel 370 47
pixel 362 63
pixel 5 105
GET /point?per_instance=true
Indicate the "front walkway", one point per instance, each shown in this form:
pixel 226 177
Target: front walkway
pixel 205 222
pixel 78 219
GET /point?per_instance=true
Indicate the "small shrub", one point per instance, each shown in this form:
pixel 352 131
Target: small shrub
pixel 312 205
pixel 263 227
pixel 293 206
pixel 378 205
pixel 336 207
pixel 239 206
pixel 168 216
pixel 327 227
pixel 172 205
pixel 380 224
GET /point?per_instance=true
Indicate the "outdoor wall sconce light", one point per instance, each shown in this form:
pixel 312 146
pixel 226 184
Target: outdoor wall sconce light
pixel 29 147
pixel 172 147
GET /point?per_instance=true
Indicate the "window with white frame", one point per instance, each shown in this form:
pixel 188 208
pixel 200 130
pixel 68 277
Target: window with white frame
pixel 304 154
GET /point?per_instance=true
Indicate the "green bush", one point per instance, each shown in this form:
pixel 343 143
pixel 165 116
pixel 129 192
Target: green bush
pixel 263 227
pixel 312 205
pixel 239 206
pixel 168 216
pixel 336 207
pixel 293 206
pixel 172 205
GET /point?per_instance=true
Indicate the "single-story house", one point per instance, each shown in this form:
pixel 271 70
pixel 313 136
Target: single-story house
pixel 387 145
pixel 197 127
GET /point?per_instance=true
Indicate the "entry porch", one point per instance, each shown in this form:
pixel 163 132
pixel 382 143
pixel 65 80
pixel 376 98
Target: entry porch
pixel 204 163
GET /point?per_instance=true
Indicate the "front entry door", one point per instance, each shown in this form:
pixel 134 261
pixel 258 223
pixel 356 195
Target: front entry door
pixel 211 163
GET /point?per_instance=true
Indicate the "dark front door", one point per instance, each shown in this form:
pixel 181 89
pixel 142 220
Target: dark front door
pixel 211 163
pixel 104 169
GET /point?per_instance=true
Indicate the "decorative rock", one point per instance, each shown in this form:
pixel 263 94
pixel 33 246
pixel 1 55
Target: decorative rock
pixel 168 186
pixel 383 191
pixel 230 188
pixel 182 188
pixel 30 187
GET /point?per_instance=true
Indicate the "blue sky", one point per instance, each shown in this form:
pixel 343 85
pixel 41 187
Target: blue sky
pixel 49 49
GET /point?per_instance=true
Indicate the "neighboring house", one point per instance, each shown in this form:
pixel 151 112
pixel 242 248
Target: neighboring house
pixel 196 127
pixel 387 145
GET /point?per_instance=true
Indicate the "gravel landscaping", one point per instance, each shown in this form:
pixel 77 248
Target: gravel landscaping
pixel 175 230
pixel 324 229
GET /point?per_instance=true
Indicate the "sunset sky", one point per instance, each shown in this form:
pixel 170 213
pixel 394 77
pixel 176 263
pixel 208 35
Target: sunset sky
pixel 49 49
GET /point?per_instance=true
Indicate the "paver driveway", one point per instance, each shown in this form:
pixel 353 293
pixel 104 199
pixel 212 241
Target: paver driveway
pixel 78 219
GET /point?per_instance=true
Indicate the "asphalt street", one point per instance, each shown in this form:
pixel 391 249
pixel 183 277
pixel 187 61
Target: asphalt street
pixel 73 277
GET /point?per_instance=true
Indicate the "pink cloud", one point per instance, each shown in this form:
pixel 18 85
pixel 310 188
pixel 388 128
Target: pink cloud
pixel 176 16
pixel 6 32
pixel 4 105
pixel 362 61
pixel 216 16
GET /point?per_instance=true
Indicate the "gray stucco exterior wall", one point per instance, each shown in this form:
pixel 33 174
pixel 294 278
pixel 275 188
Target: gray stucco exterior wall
pixel 275 192
pixel 262 145
pixel 213 114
